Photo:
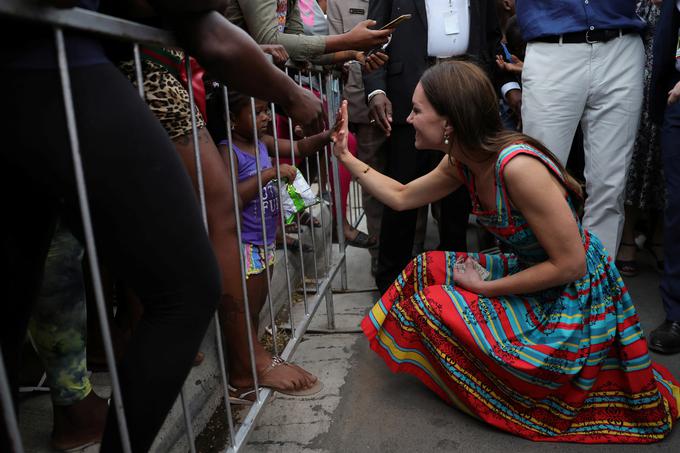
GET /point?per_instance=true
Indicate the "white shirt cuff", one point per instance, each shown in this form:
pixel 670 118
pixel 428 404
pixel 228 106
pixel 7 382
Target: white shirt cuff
pixel 509 87
pixel 373 93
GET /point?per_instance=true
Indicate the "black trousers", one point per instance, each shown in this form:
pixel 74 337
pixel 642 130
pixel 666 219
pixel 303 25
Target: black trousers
pixel 670 154
pixel 147 225
pixel 405 163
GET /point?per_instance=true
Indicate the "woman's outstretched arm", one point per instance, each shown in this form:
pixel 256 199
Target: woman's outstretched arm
pixel 540 197
pixel 428 188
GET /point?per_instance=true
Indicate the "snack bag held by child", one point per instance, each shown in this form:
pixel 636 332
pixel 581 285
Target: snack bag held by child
pixel 297 196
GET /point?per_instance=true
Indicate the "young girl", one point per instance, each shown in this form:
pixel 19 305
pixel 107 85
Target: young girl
pixel 258 246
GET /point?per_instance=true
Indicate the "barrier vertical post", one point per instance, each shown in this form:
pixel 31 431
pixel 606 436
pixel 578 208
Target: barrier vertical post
pixel 297 216
pixel 280 190
pixel 261 192
pixel 336 184
pixel 8 412
pixel 88 232
pixel 237 213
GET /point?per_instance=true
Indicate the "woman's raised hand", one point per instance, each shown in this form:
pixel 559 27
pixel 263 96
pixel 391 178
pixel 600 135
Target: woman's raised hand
pixel 341 132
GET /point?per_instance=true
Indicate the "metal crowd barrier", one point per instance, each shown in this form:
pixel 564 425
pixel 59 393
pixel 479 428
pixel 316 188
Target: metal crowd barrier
pixel 334 259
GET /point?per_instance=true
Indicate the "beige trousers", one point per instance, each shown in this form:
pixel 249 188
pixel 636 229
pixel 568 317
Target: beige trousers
pixel 599 86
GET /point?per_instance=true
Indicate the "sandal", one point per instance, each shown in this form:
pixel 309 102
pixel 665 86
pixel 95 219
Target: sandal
pixel 278 362
pixel 361 240
pixel 242 395
pixel 627 268
pixel 246 395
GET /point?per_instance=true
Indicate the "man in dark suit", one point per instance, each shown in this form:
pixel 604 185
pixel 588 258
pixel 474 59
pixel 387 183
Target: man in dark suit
pixel 665 106
pixel 455 29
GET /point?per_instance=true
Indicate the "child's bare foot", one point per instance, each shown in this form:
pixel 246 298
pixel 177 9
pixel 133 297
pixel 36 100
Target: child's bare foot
pixel 79 424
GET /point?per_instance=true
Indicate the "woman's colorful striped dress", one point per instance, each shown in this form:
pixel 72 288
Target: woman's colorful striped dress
pixel 568 364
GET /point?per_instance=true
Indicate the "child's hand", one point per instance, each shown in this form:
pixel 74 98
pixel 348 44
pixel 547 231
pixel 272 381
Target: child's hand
pixel 674 94
pixel 288 172
pixel 341 132
pixel 515 67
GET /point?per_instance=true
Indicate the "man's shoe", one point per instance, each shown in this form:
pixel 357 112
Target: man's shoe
pixel 666 338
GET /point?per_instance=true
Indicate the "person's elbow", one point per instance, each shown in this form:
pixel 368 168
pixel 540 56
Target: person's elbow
pixel 574 267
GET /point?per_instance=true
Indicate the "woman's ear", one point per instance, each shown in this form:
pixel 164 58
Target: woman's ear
pixel 448 129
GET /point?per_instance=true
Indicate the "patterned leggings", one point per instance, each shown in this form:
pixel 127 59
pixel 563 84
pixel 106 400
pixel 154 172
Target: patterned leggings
pixel 59 321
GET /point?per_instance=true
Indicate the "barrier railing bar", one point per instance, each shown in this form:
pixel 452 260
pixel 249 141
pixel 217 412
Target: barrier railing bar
pixel 312 228
pixel 204 211
pixel 220 347
pixel 327 240
pixel 237 215
pixel 336 181
pixel 138 70
pixel 324 242
pixel 249 422
pixel 297 216
pixel 187 421
pixel 280 188
pixel 263 224
pixel 69 111
pixel 8 409
pixel 88 21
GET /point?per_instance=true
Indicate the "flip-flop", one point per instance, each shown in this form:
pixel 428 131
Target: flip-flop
pixel 361 240
pixel 242 395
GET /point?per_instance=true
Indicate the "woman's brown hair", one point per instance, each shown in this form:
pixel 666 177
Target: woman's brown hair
pixel 462 92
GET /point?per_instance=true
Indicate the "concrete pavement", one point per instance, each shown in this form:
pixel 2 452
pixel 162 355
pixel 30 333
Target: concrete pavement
pixel 366 408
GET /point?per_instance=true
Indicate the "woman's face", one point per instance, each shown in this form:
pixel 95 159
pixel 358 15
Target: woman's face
pixel 244 123
pixel 429 125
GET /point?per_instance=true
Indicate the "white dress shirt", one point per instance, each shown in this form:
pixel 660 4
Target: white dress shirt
pixel 448 27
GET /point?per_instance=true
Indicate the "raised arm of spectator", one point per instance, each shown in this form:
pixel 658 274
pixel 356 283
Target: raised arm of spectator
pixel 262 23
pixel 231 56
pixel 303 147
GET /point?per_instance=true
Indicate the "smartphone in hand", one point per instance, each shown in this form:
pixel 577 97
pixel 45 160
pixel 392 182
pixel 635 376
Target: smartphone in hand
pixel 391 24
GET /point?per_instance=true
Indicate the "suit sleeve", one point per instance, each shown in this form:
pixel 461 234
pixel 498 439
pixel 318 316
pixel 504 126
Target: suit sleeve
pixel 379 11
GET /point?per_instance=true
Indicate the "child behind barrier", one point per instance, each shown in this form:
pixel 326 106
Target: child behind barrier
pixel 258 246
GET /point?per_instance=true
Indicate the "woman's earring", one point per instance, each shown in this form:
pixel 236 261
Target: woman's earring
pixel 446 139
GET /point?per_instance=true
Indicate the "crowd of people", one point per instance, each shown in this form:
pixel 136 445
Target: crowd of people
pixel 479 108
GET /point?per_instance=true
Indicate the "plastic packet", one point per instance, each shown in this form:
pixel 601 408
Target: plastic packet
pixel 297 196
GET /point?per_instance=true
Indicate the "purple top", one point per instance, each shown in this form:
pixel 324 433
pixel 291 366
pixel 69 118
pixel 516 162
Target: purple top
pixel 251 222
